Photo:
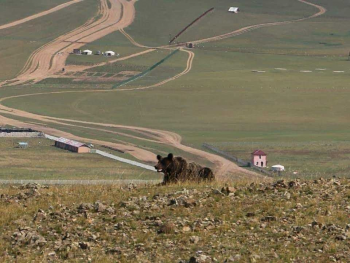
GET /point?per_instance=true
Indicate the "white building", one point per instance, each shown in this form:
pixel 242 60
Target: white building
pixel 109 53
pixel 87 52
pixel 234 10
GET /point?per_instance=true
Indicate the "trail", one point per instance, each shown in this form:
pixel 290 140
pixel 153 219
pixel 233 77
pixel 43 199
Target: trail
pixel 44 13
pixel 187 69
pixel 222 165
pixel 246 29
pixel 74 68
pixel 51 58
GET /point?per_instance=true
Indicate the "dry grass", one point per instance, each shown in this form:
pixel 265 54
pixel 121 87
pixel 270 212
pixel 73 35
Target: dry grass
pixel 260 222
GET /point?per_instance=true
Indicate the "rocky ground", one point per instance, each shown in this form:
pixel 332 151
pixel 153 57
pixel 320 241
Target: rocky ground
pixel 283 221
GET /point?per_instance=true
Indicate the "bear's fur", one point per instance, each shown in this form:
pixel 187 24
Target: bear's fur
pixel 176 169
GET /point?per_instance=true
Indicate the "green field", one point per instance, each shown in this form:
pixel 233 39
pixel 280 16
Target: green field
pixel 15 10
pixel 41 160
pixel 17 43
pixel 114 41
pixel 289 106
pixel 306 159
pixel 169 18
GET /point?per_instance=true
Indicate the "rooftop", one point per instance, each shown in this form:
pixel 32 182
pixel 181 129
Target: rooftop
pixel 258 152
pixel 71 142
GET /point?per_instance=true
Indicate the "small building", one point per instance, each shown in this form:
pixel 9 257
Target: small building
pixel 98 52
pixel 77 51
pixel 234 10
pixel 87 52
pixel 72 146
pixel 20 133
pixel 277 168
pixel 259 158
pixel 109 53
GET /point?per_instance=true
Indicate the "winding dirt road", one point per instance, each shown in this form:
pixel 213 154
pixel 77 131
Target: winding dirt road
pixel 44 13
pixel 222 165
pixel 240 31
pixel 50 58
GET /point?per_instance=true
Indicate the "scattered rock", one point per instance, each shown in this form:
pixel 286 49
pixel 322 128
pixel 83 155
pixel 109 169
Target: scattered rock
pixel 167 228
pixel 194 239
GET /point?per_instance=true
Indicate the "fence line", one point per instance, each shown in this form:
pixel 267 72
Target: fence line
pixel 194 21
pixel 123 160
pixel 235 159
pixel 114 157
pixel 142 74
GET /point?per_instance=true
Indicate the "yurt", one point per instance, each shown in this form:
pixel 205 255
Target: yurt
pixel 233 10
pixel 109 53
pixel 277 168
pixel 87 52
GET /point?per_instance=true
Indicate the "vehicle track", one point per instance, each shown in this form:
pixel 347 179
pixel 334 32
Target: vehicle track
pixel 51 58
pixel 222 165
pixel 44 13
pixel 321 9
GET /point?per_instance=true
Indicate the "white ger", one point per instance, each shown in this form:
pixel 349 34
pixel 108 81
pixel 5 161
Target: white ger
pixel 87 52
pixel 234 10
pixel 109 53
pixel 277 168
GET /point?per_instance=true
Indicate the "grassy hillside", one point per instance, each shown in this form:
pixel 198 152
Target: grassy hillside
pixel 223 101
pixel 15 10
pixel 115 42
pixel 284 221
pixel 276 104
pixel 173 17
pixel 306 159
pixel 17 43
pixel 325 35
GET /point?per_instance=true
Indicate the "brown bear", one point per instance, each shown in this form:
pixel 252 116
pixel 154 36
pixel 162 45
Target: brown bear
pixel 176 169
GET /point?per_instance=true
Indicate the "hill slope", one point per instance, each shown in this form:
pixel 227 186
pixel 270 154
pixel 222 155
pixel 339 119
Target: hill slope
pixel 296 221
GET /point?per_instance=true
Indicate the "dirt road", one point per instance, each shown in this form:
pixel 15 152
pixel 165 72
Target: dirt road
pixel 51 58
pixel 240 31
pixel 222 166
pixel 44 13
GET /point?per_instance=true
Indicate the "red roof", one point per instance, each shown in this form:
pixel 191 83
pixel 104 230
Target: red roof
pixel 71 142
pixel 259 152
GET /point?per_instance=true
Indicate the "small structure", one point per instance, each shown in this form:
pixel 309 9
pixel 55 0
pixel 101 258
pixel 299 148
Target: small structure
pixel 277 168
pixel 234 10
pixel 259 158
pixel 23 145
pixel 98 52
pixel 20 133
pixel 87 52
pixel 72 146
pixel 77 51
pixel 109 53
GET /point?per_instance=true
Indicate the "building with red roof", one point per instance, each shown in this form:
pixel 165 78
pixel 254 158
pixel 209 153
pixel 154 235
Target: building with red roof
pixel 72 146
pixel 259 158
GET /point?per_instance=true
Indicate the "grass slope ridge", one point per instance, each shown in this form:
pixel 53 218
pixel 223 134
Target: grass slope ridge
pixel 284 221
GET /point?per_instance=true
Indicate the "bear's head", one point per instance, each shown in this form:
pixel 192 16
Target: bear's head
pixel 164 163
